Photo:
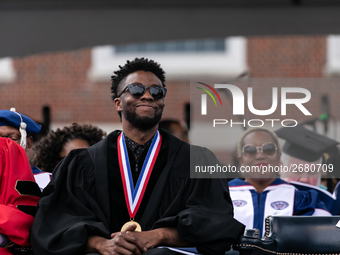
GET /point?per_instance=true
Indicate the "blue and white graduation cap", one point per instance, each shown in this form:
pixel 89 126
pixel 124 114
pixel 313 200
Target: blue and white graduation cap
pixel 23 123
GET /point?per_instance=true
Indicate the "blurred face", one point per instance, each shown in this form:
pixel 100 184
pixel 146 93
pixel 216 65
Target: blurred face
pixel 144 112
pixel 14 134
pixel 305 177
pixel 72 145
pixel 10 132
pixel 179 131
pixel 259 150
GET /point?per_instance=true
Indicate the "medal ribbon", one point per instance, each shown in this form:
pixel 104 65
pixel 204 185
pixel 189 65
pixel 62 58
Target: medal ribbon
pixel 134 195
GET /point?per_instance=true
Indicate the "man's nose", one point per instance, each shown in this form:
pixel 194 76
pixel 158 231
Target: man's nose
pixel 147 94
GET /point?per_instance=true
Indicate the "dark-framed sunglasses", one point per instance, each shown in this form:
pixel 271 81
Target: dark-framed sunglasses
pixel 268 149
pixel 138 90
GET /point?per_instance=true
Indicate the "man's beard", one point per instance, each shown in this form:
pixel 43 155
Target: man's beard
pixel 142 123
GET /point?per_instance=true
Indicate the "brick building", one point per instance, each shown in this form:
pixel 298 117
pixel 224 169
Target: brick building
pixel 77 88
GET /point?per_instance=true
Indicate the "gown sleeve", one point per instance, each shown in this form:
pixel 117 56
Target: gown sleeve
pixel 202 210
pixel 308 203
pixel 67 213
pixel 19 194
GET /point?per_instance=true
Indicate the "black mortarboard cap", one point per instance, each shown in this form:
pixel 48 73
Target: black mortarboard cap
pixel 303 143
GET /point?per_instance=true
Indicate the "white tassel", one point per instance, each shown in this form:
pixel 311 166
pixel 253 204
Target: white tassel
pixel 23 133
pixel 22 129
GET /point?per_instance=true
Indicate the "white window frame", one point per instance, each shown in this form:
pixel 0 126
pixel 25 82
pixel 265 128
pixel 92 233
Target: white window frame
pixel 332 68
pixel 7 72
pixel 181 65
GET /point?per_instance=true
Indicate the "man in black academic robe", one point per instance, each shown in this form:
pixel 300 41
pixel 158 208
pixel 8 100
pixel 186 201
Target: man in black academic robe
pixel 83 208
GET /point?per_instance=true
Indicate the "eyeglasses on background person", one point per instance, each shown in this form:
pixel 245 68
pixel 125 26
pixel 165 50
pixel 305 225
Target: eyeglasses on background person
pixel 250 150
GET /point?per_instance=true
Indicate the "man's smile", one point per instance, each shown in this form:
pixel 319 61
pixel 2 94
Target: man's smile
pixel 145 106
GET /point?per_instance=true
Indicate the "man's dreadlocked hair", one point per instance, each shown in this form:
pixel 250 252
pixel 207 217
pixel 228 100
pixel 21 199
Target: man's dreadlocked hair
pixel 139 64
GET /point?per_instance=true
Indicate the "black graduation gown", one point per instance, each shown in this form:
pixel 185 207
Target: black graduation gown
pixel 76 204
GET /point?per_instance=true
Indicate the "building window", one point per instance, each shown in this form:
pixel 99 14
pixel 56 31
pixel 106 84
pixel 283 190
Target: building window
pixel 7 72
pixel 194 46
pixel 332 68
pixel 187 59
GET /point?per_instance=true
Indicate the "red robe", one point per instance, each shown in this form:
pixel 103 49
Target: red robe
pixel 18 194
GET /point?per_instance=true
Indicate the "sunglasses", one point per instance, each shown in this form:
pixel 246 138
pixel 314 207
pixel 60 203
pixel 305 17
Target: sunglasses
pixel 138 90
pixel 268 149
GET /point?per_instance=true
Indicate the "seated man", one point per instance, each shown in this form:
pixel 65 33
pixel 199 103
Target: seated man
pixel 132 191
pixel 19 196
pixel 19 128
pixel 302 153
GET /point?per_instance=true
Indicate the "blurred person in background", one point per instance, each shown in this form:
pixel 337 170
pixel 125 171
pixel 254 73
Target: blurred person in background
pixel 175 128
pixel 263 193
pixel 303 151
pixel 51 149
pixel 20 128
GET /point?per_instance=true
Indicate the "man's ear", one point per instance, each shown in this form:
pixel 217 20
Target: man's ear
pixel 240 160
pixel 118 104
pixel 29 142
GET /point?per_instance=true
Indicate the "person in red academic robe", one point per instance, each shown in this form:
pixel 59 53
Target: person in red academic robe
pixel 19 195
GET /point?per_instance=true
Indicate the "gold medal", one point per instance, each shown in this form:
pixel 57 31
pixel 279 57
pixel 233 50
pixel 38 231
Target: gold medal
pixel 129 223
